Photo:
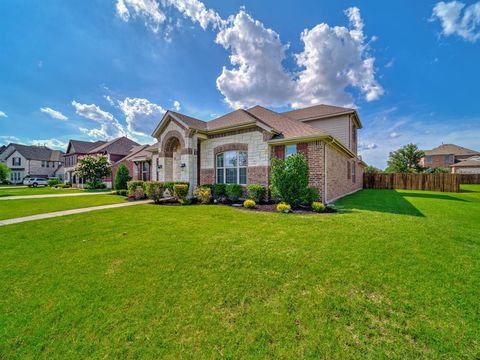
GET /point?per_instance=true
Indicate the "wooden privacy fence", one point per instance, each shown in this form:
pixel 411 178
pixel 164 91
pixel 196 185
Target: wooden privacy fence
pixel 469 178
pixel 430 182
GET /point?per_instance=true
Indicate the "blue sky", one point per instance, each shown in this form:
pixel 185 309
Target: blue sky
pixel 99 69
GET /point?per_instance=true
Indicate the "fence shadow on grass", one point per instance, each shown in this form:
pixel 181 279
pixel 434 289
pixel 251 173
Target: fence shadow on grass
pixel 430 196
pixel 387 201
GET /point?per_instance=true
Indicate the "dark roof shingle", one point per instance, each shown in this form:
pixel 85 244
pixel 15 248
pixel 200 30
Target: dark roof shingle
pixel 32 152
pixel 446 149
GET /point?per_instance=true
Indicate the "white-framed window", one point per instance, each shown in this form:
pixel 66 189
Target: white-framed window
pixel 16 161
pixel 144 170
pixel 290 150
pixel 15 176
pixel 232 167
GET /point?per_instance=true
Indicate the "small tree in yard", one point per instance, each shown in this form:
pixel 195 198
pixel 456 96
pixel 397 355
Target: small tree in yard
pixel 372 170
pixel 122 178
pixel 4 172
pixel 289 179
pixel 93 168
pixel 405 160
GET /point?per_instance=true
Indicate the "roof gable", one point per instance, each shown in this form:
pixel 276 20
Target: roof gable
pixel 118 146
pixel 31 152
pixel 447 149
pixel 82 147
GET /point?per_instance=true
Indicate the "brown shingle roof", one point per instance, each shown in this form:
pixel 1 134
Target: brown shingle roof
pixel 83 147
pixel 118 146
pixel 446 149
pixel 140 151
pixel 234 118
pixel 31 152
pixel 317 111
pixel 474 161
pixel 287 127
pixel 190 121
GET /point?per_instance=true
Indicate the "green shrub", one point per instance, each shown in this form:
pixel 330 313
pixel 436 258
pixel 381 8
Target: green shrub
pixel 234 192
pixel 284 208
pixel 203 194
pixel 257 192
pixel 318 206
pixel 154 190
pixel 122 177
pixel 169 185
pixel 136 189
pixel 114 192
pixel 249 204
pixel 122 192
pixel 289 179
pixel 180 191
pixel 219 191
pixel 312 195
pixel 53 182
pixel 95 185
pixel 61 186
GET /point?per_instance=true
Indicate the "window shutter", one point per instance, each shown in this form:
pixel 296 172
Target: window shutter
pixel 348 170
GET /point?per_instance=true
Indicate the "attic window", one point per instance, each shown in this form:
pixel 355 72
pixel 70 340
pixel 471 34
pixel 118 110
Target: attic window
pixel 290 150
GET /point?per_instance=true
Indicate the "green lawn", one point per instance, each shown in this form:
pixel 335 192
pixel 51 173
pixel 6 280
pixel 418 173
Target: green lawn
pixel 24 207
pixel 394 275
pixel 6 191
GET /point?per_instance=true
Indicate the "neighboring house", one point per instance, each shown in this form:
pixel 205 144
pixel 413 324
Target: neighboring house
pixel 238 147
pixel 138 163
pixel 115 150
pixel 28 161
pixel 468 166
pixel 446 155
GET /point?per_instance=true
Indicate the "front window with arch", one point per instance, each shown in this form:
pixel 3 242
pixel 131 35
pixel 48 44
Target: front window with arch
pixel 232 167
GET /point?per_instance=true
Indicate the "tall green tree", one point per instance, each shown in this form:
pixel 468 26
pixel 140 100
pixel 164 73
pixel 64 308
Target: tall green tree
pixel 93 168
pixel 4 172
pixel 289 179
pixel 405 160
pixel 122 177
pixel 372 170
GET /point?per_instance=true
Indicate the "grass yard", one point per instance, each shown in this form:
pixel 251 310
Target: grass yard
pixel 393 275
pixel 18 208
pixel 6 191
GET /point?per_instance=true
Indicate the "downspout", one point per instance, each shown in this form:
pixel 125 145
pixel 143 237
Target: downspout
pixel 325 171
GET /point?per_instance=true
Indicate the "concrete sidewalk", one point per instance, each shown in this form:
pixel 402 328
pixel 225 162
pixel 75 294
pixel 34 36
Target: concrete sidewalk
pixel 70 212
pixel 52 195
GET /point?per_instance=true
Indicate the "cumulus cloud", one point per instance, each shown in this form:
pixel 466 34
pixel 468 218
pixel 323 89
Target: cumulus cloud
pixel 53 113
pixel 334 59
pixel 394 135
pixel 257 76
pixel 176 105
pixel 2 114
pixel 142 115
pixel 7 139
pixel 366 146
pixel 51 143
pixel 109 126
pixel 458 19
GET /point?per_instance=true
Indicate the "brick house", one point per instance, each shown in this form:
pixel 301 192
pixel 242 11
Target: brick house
pixel 446 155
pixel 138 162
pixel 32 161
pixel 468 166
pixel 115 150
pixel 238 147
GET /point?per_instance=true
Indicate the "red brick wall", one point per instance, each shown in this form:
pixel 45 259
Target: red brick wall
pixel 207 176
pixel 316 166
pixel 338 183
pixel 278 151
pixel 258 175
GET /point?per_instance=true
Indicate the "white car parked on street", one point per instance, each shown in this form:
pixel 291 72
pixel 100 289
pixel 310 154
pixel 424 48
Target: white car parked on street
pixel 35 182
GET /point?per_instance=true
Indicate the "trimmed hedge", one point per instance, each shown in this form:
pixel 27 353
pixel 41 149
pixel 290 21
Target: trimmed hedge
pixel 203 194
pixel 234 192
pixel 180 191
pixel 154 190
pixel 136 189
pixel 257 192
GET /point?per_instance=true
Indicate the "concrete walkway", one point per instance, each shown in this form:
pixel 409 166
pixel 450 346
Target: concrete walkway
pixel 52 195
pixel 13 187
pixel 70 212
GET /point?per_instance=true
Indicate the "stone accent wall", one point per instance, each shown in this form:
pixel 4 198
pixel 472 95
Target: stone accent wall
pixel 226 147
pixel 257 148
pixel 338 183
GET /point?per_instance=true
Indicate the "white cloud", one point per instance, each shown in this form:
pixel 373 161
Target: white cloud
pixel 51 143
pixel 149 10
pixel 142 115
pixel 458 19
pixel 109 126
pixel 366 146
pixel 176 105
pixel 258 76
pixel 53 113
pixel 394 135
pixel 2 114
pixel 334 59
pixel 7 139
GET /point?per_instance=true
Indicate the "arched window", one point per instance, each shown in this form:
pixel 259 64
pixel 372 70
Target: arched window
pixel 232 167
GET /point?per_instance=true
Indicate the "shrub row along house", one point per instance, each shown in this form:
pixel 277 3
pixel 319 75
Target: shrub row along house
pixel 237 148
pixel 32 161
pixel 450 156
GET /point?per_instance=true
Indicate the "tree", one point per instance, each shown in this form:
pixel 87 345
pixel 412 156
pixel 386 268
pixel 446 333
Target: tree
pixel 405 159
pixel 4 172
pixel 93 168
pixel 372 170
pixel 122 177
pixel 437 170
pixel 289 179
